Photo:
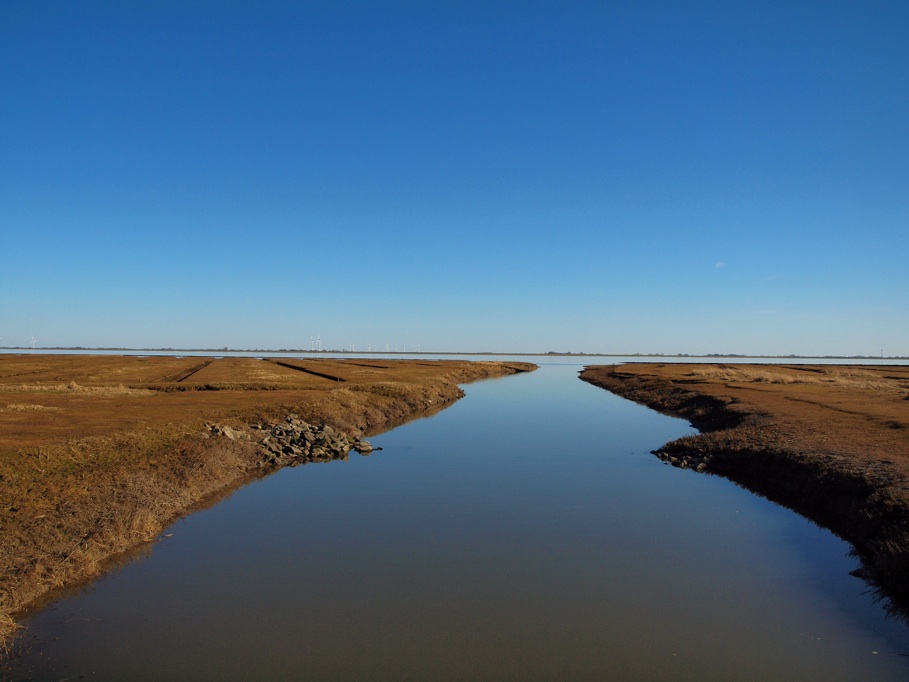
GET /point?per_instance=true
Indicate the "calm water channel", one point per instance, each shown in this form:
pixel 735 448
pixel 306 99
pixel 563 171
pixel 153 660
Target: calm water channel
pixel 525 533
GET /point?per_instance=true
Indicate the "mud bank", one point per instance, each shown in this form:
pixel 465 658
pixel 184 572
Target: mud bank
pixel 90 470
pixel 829 442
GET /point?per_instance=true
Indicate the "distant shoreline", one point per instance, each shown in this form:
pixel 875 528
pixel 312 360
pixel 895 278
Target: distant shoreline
pixel 331 352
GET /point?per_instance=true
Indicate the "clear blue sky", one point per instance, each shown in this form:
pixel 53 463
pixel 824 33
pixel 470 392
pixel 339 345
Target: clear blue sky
pixel 623 177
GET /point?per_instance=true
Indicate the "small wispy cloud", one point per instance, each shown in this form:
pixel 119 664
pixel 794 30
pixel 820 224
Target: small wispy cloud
pixel 720 264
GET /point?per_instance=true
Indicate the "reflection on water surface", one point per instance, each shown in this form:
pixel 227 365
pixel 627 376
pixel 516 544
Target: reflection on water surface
pixel 522 534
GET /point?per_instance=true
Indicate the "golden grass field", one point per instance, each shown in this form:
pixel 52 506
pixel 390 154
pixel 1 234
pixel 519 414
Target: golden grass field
pixel 99 453
pixel 830 441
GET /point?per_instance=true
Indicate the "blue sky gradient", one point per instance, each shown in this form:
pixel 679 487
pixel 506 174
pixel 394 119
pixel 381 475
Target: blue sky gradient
pixel 618 177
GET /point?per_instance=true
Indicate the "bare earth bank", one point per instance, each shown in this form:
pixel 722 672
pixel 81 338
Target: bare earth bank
pixel 99 453
pixel 828 441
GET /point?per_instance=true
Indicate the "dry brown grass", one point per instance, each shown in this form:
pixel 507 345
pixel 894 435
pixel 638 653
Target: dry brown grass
pixel 853 378
pixel 91 369
pixel 97 454
pixel 13 407
pixel 73 387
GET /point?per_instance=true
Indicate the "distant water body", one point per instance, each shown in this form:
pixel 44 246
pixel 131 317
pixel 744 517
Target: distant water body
pixel 525 357
pixel 525 533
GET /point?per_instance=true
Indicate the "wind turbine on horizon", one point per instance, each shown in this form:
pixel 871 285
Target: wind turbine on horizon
pixel 312 344
pixel 320 342
pixel 33 341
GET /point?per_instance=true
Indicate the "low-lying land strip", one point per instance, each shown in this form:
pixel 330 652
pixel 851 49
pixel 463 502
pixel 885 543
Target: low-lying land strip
pixel 829 441
pixel 99 453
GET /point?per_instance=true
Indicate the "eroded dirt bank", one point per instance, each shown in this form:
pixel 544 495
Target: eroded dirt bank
pixel 829 441
pixel 99 453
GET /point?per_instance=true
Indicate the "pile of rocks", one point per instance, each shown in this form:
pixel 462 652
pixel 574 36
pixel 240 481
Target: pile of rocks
pixel 295 441
pixel 694 463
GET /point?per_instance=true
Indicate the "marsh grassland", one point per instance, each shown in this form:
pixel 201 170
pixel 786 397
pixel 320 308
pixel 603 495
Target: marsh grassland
pixel 829 441
pixel 99 453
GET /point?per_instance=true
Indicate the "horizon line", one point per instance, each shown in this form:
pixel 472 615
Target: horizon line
pixel 225 349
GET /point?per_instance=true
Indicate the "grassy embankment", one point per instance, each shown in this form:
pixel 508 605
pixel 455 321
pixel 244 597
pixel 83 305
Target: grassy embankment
pixel 829 441
pixel 99 453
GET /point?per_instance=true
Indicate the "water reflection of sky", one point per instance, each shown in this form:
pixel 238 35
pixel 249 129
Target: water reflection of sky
pixel 523 533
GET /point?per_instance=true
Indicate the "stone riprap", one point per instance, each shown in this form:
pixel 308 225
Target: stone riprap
pixel 294 442
pixel 695 463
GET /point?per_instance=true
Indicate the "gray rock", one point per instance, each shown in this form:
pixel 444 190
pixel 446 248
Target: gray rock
pixel 293 442
pixel 226 431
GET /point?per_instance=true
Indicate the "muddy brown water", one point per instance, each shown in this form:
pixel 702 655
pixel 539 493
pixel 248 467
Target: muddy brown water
pixel 525 533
